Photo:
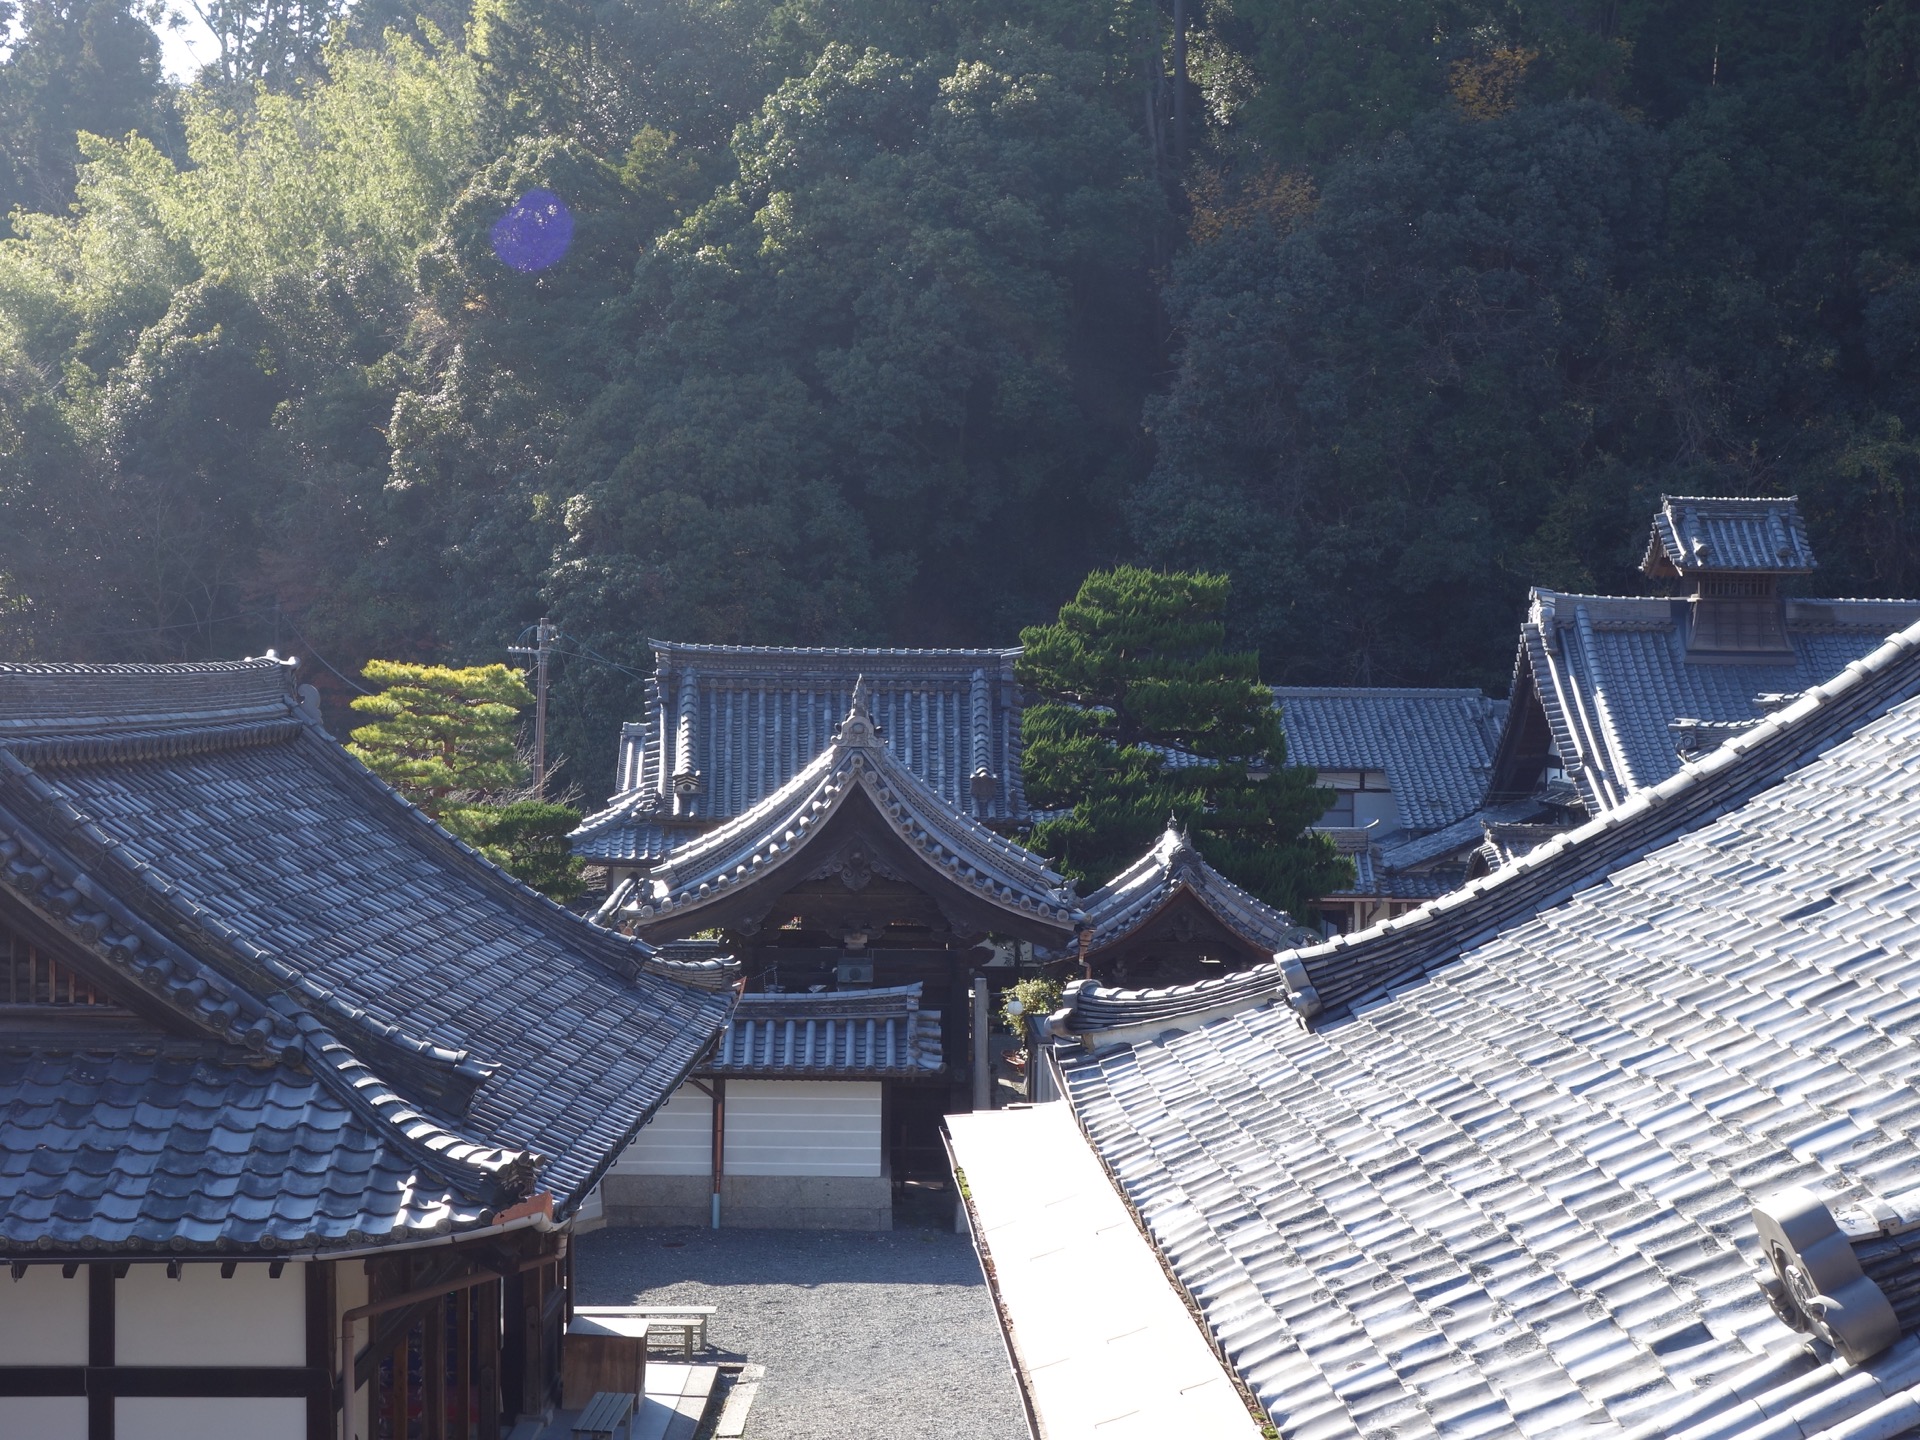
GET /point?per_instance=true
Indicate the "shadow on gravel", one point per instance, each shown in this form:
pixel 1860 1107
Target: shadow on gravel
pixel 864 1335
pixel 619 1259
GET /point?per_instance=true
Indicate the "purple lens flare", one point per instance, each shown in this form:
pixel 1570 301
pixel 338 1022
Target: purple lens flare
pixel 534 234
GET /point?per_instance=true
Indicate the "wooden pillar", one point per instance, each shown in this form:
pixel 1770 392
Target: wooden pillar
pixel 533 1391
pixel 719 1093
pixel 464 1366
pixel 486 1366
pixel 433 1370
pixel 397 1391
pixel 323 1386
pixel 982 1068
pixel 100 1344
pixel 513 1343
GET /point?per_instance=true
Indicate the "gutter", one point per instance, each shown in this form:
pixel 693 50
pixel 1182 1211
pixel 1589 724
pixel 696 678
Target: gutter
pixel 1022 1382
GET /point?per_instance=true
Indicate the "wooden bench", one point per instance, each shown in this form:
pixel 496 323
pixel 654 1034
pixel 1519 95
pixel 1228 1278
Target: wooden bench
pixel 605 1415
pixel 687 1324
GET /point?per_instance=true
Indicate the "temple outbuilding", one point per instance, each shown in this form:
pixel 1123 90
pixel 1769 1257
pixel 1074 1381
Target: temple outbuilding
pixel 300 1098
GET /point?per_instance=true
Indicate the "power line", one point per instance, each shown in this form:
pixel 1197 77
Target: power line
pixel 314 651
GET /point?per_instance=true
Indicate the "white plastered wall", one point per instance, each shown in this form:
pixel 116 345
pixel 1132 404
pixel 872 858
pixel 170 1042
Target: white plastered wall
pixel 201 1319
pixel 43 1317
pixel 677 1141
pixel 43 1417
pixel 803 1127
pixel 157 1418
pixel 774 1127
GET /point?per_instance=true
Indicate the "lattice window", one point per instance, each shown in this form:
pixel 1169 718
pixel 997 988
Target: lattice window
pixel 30 976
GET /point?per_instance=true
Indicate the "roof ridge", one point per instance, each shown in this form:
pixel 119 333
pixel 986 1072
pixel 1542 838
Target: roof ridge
pixel 45 751
pixel 691 647
pixel 1398 692
pixel 1349 969
pixel 64 699
pixel 762 838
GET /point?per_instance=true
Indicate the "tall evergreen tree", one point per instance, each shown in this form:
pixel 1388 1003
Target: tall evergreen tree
pixel 446 739
pixel 73 65
pixel 1145 714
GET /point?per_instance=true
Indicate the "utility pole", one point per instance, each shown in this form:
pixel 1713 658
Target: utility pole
pixel 542 648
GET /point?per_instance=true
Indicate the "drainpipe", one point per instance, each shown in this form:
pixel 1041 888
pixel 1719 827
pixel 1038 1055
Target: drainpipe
pixel 716 1091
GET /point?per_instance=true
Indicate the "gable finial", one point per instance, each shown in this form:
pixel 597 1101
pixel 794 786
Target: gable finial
pixel 857 728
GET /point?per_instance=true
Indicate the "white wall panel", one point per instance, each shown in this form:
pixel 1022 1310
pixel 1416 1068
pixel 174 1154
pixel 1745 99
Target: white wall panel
pixel 677 1141
pixel 43 1417
pixel 803 1127
pixel 43 1317
pixel 180 1419
pixel 201 1319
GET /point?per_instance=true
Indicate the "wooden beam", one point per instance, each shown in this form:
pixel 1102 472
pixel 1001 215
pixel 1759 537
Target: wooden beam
pixel 433 1369
pixel 319 1307
pixel 397 1388
pixel 101 1325
pixel 463 1362
pixel 487 1370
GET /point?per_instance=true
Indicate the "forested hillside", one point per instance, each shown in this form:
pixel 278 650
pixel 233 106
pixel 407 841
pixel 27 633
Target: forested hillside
pixel 886 320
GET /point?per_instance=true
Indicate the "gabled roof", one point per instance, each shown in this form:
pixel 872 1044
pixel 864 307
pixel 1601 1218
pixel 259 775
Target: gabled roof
pixel 1349 970
pixel 1703 534
pixel 1520 1188
pixel 1612 676
pixel 728 725
pixel 325 973
pixel 837 1034
pixel 857 768
pixel 1434 745
pixel 1171 869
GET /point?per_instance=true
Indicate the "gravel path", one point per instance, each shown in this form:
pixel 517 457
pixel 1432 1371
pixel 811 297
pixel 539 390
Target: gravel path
pixel 865 1336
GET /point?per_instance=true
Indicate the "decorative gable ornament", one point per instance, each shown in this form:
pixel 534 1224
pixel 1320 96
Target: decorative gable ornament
pixel 1813 1277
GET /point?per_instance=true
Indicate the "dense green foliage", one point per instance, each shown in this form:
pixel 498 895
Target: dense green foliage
pixel 446 739
pixel 1142 715
pixel 887 321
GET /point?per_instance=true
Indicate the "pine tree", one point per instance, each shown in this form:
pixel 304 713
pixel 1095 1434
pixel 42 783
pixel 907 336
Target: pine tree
pixel 447 740
pixel 1145 715
pixel 442 737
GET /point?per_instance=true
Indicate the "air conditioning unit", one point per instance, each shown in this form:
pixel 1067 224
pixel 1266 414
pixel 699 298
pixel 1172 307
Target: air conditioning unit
pixel 853 973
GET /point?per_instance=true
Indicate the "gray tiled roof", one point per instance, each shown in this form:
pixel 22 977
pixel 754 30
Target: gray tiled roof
pixel 776 835
pixel 1434 745
pixel 746 719
pixel 1612 676
pixel 1695 534
pixel 1351 969
pixel 1513 1193
pixel 239 880
pixel 1173 867
pixel 142 1146
pixel 841 1034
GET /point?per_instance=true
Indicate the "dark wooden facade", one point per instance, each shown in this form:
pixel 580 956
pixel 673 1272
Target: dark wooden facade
pixel 1182 943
